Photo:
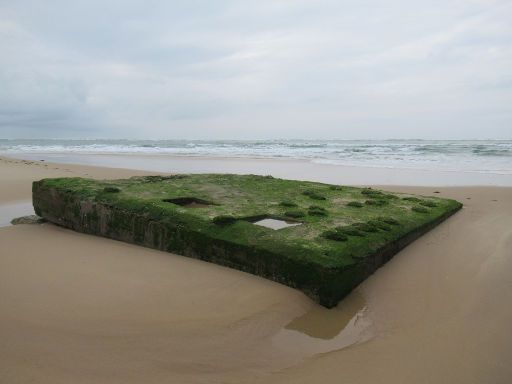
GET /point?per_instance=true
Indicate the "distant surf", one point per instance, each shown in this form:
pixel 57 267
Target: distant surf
pixel 482 156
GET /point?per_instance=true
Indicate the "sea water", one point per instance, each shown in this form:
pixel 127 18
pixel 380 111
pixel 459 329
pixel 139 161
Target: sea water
pixel 482 156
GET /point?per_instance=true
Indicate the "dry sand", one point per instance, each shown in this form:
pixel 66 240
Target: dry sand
pixel 79 309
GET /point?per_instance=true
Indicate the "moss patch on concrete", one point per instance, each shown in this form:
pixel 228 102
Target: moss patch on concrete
pixel 345 233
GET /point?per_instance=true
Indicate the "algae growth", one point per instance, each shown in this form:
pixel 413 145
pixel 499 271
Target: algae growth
pixel 345 233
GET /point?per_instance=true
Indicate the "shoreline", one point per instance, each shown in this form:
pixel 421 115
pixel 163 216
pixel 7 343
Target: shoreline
pixel 78 308
pixel 319 161
pixel 315 171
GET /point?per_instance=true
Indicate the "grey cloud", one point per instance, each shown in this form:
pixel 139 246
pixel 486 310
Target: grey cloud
pixel 244 69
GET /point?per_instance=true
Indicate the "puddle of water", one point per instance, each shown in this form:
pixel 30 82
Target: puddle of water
pixel 13 210
pixel 276 224
pixel 323 330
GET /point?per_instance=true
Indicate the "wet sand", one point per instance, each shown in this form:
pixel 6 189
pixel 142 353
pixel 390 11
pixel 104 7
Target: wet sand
pixel 283 167
pixel 81 309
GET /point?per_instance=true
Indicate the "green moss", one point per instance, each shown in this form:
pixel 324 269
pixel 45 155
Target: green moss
pixel 388 220
pixel 370 192
pixel 224 220
pixel 111 190
pixel 287 203
pixel 377 202
pixel 295 214
pixel 379 224
pixel 334 235
pixel 156 179
pixel 314 195
pixel 333 249
pixel 350 230
pixel 376 194
pixel 315 210
pixel 366 227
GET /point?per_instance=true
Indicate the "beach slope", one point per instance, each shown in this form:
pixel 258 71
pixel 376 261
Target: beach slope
pixel 81 309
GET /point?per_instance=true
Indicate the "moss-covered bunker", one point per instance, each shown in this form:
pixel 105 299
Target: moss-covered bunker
pixel 346 233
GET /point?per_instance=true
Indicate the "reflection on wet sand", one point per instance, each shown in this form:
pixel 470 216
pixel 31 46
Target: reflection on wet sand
pixel 322 330
pixel 13 210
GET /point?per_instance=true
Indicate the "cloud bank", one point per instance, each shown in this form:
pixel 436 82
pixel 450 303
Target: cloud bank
pixel 268 69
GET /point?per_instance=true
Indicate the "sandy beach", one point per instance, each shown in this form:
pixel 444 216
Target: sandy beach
pixel 80 309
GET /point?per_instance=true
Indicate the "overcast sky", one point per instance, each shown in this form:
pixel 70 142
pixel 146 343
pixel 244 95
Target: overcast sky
pixel 256 69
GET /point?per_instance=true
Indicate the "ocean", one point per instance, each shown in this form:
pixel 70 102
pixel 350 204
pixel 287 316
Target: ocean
pixel 482 156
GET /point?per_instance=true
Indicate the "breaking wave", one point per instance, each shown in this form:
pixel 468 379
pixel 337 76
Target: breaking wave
pixel 493 156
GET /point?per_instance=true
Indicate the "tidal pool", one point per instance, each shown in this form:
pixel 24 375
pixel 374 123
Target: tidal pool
pixel 15 209
pixel 323 330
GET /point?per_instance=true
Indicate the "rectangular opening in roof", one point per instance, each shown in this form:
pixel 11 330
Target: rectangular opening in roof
pixel 276 224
